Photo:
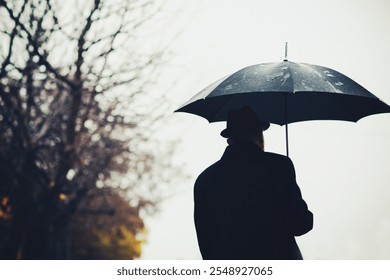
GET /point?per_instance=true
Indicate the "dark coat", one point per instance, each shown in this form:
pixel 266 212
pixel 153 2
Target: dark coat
pixel 249 206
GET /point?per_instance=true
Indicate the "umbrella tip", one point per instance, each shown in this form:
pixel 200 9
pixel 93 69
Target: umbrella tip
pixel 285 52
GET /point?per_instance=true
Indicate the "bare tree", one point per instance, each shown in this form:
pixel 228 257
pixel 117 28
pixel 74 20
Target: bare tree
pixel 74 78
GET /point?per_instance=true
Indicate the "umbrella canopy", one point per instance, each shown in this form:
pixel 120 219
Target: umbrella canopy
pixel 286 92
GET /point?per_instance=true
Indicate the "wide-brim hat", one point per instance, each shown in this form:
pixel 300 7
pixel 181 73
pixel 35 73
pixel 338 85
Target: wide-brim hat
pixel 242 123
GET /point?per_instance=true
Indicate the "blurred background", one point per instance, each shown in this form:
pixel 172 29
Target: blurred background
pixel 95 165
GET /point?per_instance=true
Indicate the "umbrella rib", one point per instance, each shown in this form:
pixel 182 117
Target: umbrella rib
pixel 219 109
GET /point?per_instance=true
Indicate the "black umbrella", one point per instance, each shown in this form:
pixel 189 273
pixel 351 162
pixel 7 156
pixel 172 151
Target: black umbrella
pixel 286 92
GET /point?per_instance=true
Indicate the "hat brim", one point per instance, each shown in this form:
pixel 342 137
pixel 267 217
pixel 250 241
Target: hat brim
pixel 226 133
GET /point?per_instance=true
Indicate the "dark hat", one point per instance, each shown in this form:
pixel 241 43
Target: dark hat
pixel 242 123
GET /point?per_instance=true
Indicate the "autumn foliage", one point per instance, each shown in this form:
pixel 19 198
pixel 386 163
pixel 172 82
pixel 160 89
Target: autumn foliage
pixel 106 227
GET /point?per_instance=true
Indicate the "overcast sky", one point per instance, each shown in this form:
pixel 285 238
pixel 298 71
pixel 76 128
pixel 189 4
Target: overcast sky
pixel 343 168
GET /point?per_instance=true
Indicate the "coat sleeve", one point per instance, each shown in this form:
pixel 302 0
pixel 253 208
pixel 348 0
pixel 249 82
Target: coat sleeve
pixel 299 218
pixel 201 218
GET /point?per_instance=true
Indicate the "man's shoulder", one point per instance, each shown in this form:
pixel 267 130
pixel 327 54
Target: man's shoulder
pixel 211 169
pixel 276 157
pixel 278 160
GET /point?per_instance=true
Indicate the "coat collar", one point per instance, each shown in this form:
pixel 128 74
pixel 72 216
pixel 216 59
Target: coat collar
pixel 242 151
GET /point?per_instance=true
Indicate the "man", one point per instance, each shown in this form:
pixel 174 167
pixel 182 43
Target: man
pixel 248 204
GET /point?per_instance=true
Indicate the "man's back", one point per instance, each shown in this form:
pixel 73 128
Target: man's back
pixel 248 206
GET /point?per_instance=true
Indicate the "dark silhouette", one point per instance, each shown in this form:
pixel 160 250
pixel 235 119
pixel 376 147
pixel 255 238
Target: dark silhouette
pixel 248 204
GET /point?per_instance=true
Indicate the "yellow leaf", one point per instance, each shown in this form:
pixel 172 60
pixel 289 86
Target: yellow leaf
pixel 62 196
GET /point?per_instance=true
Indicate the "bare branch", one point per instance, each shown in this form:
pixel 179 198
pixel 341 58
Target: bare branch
pixel 81 40
pixel 12 36
pixel 42 57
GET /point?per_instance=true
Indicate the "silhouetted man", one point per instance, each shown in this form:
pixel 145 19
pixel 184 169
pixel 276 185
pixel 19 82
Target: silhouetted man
pixel 248 204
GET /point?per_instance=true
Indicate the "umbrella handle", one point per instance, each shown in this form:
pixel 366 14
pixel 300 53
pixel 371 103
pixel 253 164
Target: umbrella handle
pixel 287 151
pixel 286 117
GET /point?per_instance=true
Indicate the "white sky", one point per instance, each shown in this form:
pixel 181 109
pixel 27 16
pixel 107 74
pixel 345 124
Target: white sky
pixel 342 168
